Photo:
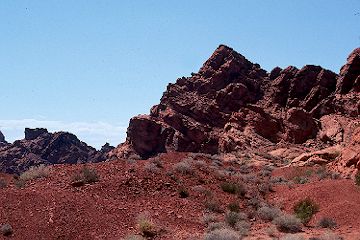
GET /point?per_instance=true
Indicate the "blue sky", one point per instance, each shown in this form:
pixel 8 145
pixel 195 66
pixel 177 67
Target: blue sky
pixel 88 66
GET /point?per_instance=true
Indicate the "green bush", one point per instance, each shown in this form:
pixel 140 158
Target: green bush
pixel 305 209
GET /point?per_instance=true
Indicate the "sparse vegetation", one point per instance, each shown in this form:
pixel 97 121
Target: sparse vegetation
pixel 292 237
pixel 305 209
pixel 222 234
pixel 6 229
pixel 184 167
pixel 3 183
pixel 215 225
pixel 265 188
pixel 300 180
pixel 151 167
pixel 146 225
pixel 213 205
pixel 288 223
pixel 327 222
pixel 85 176
pixel 328 236
pixel 357 178
pixel 233 188
pixel 134 237
pixel 183 192
pixel 231 218
pixel 34 173
pixel 268 213
pixel 209 218
pixel 234 207
pixel 242 227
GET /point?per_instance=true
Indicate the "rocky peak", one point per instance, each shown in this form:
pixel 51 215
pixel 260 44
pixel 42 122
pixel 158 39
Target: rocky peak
pixel 232 104
pixel 349 79
pixel 33 133
pixel 2 138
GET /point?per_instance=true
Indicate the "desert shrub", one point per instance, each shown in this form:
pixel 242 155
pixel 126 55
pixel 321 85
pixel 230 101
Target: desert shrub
pixel 146 225
pixel 34 173
pixel 134 237
pixel 234 207
pixel 222 234
pixel 183 192
pixel 209 218
pixel 309 172
pixel 184 167
pixel 233 188
pixel 245 169
pixel 287 223
pixel 278 180
pixel 300 179
pixel 231 218
pixel 151 167
pixel 157 162
pixel 329 236
pixel 327 222
pixel 305 209
pixel 6 229
pixel 268 213
pixel 255 202
pixel 215 225
pixel 86 175
pixel 322 173
pixel 357 178
pixel 264 188
pixel 213 205
pixel 292 237
pixel 19 183
pixel 335 175
pixel 3 183
pixel 242 227
pixel 266 171
pixel 271 231
pixel 200 163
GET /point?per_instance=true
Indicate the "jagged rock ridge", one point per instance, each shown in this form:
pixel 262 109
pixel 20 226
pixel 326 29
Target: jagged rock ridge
pixel 232 104
pixel 42 147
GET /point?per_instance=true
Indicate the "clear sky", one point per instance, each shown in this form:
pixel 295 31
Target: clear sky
pixel 88 66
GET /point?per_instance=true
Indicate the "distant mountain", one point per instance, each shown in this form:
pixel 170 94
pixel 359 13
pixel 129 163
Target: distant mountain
pixel 42 147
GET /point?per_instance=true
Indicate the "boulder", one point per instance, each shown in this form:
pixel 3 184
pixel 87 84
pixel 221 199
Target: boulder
pixel 300 126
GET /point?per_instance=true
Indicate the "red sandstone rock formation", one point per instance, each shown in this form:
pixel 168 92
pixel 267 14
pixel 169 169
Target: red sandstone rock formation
pixel 232 104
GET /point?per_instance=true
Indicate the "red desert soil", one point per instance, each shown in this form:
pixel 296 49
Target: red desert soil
pixel 50 208
pixel 337 199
